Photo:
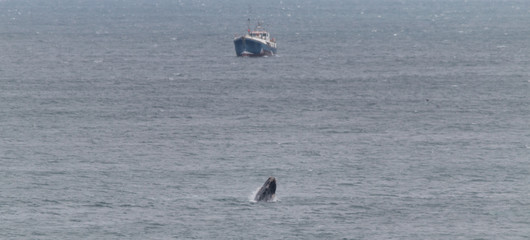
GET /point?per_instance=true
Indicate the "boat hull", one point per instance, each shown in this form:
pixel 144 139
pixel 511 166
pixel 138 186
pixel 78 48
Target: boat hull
pixel 246 46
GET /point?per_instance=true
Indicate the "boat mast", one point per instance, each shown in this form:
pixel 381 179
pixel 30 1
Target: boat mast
pixel 248 20
pixel 248 25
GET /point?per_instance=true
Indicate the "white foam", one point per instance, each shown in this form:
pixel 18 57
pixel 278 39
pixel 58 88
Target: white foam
pixel 253 195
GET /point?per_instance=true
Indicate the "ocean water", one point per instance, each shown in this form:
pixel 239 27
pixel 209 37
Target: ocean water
pixel 380 119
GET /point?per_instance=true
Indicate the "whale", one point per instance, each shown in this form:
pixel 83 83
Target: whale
pixel 267 192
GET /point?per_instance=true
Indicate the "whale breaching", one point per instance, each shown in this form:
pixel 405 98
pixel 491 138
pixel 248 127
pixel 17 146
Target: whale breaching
pixel 267 191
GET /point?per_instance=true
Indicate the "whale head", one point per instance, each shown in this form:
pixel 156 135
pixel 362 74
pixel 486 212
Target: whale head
pixel 267 191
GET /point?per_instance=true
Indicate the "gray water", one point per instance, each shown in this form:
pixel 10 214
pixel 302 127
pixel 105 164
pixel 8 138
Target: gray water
pixel 380 120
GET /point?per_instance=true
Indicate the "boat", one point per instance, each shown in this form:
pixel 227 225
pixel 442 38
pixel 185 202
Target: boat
pixel 255 43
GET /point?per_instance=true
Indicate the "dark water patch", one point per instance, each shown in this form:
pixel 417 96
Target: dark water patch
pixel 100 205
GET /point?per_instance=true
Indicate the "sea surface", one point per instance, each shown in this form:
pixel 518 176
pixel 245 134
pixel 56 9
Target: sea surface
pixel 380 119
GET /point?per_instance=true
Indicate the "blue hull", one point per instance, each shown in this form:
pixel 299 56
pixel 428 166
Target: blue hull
pixel 249 47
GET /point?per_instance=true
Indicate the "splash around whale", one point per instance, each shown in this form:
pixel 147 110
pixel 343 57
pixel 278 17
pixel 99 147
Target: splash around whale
pixel 267 193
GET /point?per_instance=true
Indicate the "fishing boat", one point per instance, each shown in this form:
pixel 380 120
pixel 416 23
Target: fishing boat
pixel 255 43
